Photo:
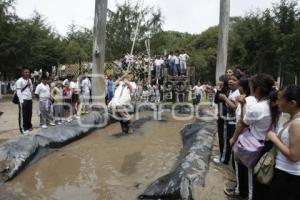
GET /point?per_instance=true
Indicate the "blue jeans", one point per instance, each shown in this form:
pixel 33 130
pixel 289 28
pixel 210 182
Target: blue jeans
pixel 178 69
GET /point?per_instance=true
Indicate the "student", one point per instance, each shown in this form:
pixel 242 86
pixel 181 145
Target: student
pixel 120 103
pixel 258 119
pixel 86 90
pixel 222 114
pixel 67 93
pixel 42 92
pixel 58 106
pixel 176 70
pixel 286 180
pixel 245 101
pixel 110 88
pixel 24 91
pixel 197 91
pixel 74 85
pixel 183 57
pixel 158 65
pixel 231 104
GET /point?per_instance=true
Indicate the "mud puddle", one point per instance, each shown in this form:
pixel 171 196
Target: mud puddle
pixel 103 166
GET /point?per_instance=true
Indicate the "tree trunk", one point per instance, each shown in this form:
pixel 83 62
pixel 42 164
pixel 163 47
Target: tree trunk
pixel 223 38
pixel 99 34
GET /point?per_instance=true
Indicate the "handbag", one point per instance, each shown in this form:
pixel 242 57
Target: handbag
pixel 247 149
pixel 15 98
pixel 264 169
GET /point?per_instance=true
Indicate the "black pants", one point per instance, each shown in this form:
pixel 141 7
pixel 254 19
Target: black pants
pixel 220 124
pixel 25 114
pixel 284 186
pixel 259 190
pixel 125 126
pixel 227 133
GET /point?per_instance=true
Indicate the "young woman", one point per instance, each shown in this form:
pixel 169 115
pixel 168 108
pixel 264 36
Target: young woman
pixel 245 101
pixel 286 180
pixel 222 88
pixel 258 119
pixel 231 104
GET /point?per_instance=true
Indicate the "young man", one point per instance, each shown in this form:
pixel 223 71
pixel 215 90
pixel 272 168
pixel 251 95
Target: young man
pixel 24 92
pixel 42 92
pixel 74 85
pixel 197 90
pixel 121 101
pixel 86 88
pixel 183 57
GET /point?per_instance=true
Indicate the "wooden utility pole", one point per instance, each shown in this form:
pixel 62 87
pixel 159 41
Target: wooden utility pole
pixel 223 38
pixel 99 35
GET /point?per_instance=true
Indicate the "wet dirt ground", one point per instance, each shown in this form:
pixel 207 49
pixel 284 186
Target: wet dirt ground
pixel 105 164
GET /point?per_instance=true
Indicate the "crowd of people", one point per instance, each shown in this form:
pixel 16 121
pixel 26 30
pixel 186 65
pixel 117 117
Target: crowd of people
pixel 250 112
pixel 58 101
pixel 173 63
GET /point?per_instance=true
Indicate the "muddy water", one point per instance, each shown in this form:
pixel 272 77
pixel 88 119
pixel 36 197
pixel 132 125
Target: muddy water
pixel 103 166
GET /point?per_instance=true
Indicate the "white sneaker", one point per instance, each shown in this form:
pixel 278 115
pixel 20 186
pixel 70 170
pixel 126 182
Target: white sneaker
pixel 59 123
pixel 52 124
pixel 69 120
pixel 26 132
pixel 44 126
pixel 216 160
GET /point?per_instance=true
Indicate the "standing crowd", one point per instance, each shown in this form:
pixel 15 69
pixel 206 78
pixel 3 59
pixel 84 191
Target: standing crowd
pixel 58 101
pixel 264 152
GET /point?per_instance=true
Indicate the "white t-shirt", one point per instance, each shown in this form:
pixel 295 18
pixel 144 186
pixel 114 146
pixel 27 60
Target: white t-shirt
pixel 176 60
pixel 122 95
pixel 74 87
pixel 197 89
pixel 183 57
pixel 43 91
pixel 259 119
pixel 65 81
pixel 157 62
pixel 233 95
pixel 86 85
pixel 232 114
pixel 250 101
pixel 27 93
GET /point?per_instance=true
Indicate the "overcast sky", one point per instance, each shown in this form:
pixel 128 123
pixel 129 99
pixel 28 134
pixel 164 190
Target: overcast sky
pixel 193 16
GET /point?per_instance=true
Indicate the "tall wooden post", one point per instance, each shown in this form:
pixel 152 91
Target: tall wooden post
pixel 99 36
pixel 223 38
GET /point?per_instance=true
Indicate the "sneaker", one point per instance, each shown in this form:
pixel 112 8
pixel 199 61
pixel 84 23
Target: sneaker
pixel 232 193
pixel 216 160
pixel 26 132
pixel 69 120
pixel 58 123
pixel 52 124
pixel 44 126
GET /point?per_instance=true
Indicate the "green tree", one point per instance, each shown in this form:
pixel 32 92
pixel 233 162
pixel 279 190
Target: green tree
pixel 121 27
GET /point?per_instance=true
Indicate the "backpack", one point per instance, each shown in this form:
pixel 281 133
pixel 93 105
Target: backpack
pixel 15 98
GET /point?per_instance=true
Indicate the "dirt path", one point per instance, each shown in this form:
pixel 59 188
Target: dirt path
pixel 217 178
pixel 9 128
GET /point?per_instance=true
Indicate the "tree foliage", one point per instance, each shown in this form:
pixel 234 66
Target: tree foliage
pixel 121 27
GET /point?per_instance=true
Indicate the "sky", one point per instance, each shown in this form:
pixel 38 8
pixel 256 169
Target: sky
pixel 193 16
